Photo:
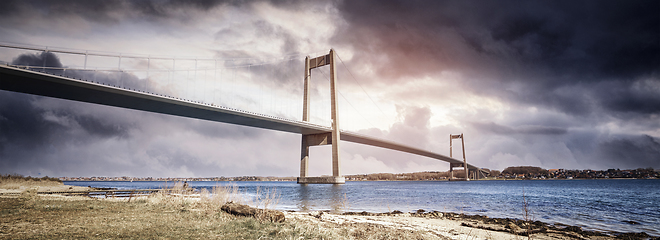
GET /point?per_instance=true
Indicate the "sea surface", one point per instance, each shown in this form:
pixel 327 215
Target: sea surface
pixel 605 205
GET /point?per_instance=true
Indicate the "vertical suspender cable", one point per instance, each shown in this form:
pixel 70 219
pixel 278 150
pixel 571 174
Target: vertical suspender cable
pixel 146 81
pixel 121 74
pixel 203 87
pixel 231 85
pixel 215 80
pixel 194 79
pixel 45 54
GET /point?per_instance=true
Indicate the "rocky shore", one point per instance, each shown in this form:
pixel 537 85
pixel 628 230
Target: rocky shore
pixel 476 226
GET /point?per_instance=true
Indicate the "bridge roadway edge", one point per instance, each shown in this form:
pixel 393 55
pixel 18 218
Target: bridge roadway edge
pixel 49 85
pixel 44 84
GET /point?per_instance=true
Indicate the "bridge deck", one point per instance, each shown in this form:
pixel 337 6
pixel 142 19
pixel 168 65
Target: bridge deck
pixel 45 84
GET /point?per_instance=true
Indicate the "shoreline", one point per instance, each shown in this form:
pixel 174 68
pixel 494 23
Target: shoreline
pixel 440 180
pixel 510 225
pixel 444 225
pixel 550 226
pixel 433 224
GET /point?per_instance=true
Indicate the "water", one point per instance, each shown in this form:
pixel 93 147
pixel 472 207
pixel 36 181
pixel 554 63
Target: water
pixel 592 204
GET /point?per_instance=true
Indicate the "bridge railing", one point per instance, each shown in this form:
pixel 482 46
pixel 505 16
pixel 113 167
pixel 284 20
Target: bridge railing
pixel 248 84
pixel 42 70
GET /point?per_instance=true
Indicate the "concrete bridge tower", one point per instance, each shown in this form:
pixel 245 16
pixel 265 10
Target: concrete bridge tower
pixel 332 137
pixel 452 165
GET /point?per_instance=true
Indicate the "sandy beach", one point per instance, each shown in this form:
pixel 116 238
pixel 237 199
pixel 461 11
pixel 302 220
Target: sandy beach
pixel 430 228
pixel 436 225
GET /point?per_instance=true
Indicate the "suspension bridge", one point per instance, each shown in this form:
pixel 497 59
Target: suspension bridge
pixel 189 87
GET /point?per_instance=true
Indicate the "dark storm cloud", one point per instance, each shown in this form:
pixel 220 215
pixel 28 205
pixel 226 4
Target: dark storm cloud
pixel 584 64
pixel 505 130
pixel 91 124
pixel 44 59
pixel 58 136
pixel 167 13
pixel 641 97
pixel 112 11
pixel 634 151
pixel 23 123
pixel 104 11
pixel 544 46
pixel 265 65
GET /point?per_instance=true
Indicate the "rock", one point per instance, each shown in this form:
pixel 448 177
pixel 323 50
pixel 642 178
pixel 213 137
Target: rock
pixel 514 228
pixel 316 214
pixel 247 211
pixel 633 235
pixel 419 211
pixel 575 229
pixel 437 214
pixel 365 213
pixel 239 209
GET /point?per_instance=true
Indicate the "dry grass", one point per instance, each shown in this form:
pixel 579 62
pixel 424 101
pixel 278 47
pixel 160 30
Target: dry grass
pixel 47 217
pixel 527 215
pixel 266 199
pixel 54 217
pixel 14 181
pixel 182 197
pixel 177 213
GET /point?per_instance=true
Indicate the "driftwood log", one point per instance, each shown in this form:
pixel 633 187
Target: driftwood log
pixel 247 211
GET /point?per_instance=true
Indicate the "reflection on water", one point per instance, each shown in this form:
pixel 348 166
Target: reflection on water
pixel 593 204
pixel 337 204
pixel 319 197
pixel 303 204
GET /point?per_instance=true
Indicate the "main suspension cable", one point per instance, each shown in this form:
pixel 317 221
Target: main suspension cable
pixel 356 81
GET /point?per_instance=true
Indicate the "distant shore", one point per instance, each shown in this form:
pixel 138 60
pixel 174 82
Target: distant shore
pixel 441 180
pixel 510 173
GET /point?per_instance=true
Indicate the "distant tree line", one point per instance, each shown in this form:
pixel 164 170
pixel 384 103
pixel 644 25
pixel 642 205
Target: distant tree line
pixel 525 170
pixel 529 172
pixel 11 177
pixel 416 176
pixel 516 172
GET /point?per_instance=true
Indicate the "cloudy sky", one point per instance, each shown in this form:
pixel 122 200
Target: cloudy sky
pixel 555 84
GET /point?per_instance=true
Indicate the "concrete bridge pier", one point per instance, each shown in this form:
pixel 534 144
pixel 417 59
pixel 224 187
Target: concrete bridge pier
pixel 331 138
pixel 458 165
pixel 464 164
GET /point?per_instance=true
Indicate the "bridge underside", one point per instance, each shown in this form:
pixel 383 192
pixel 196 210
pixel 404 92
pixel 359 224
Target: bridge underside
pixel 44 84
